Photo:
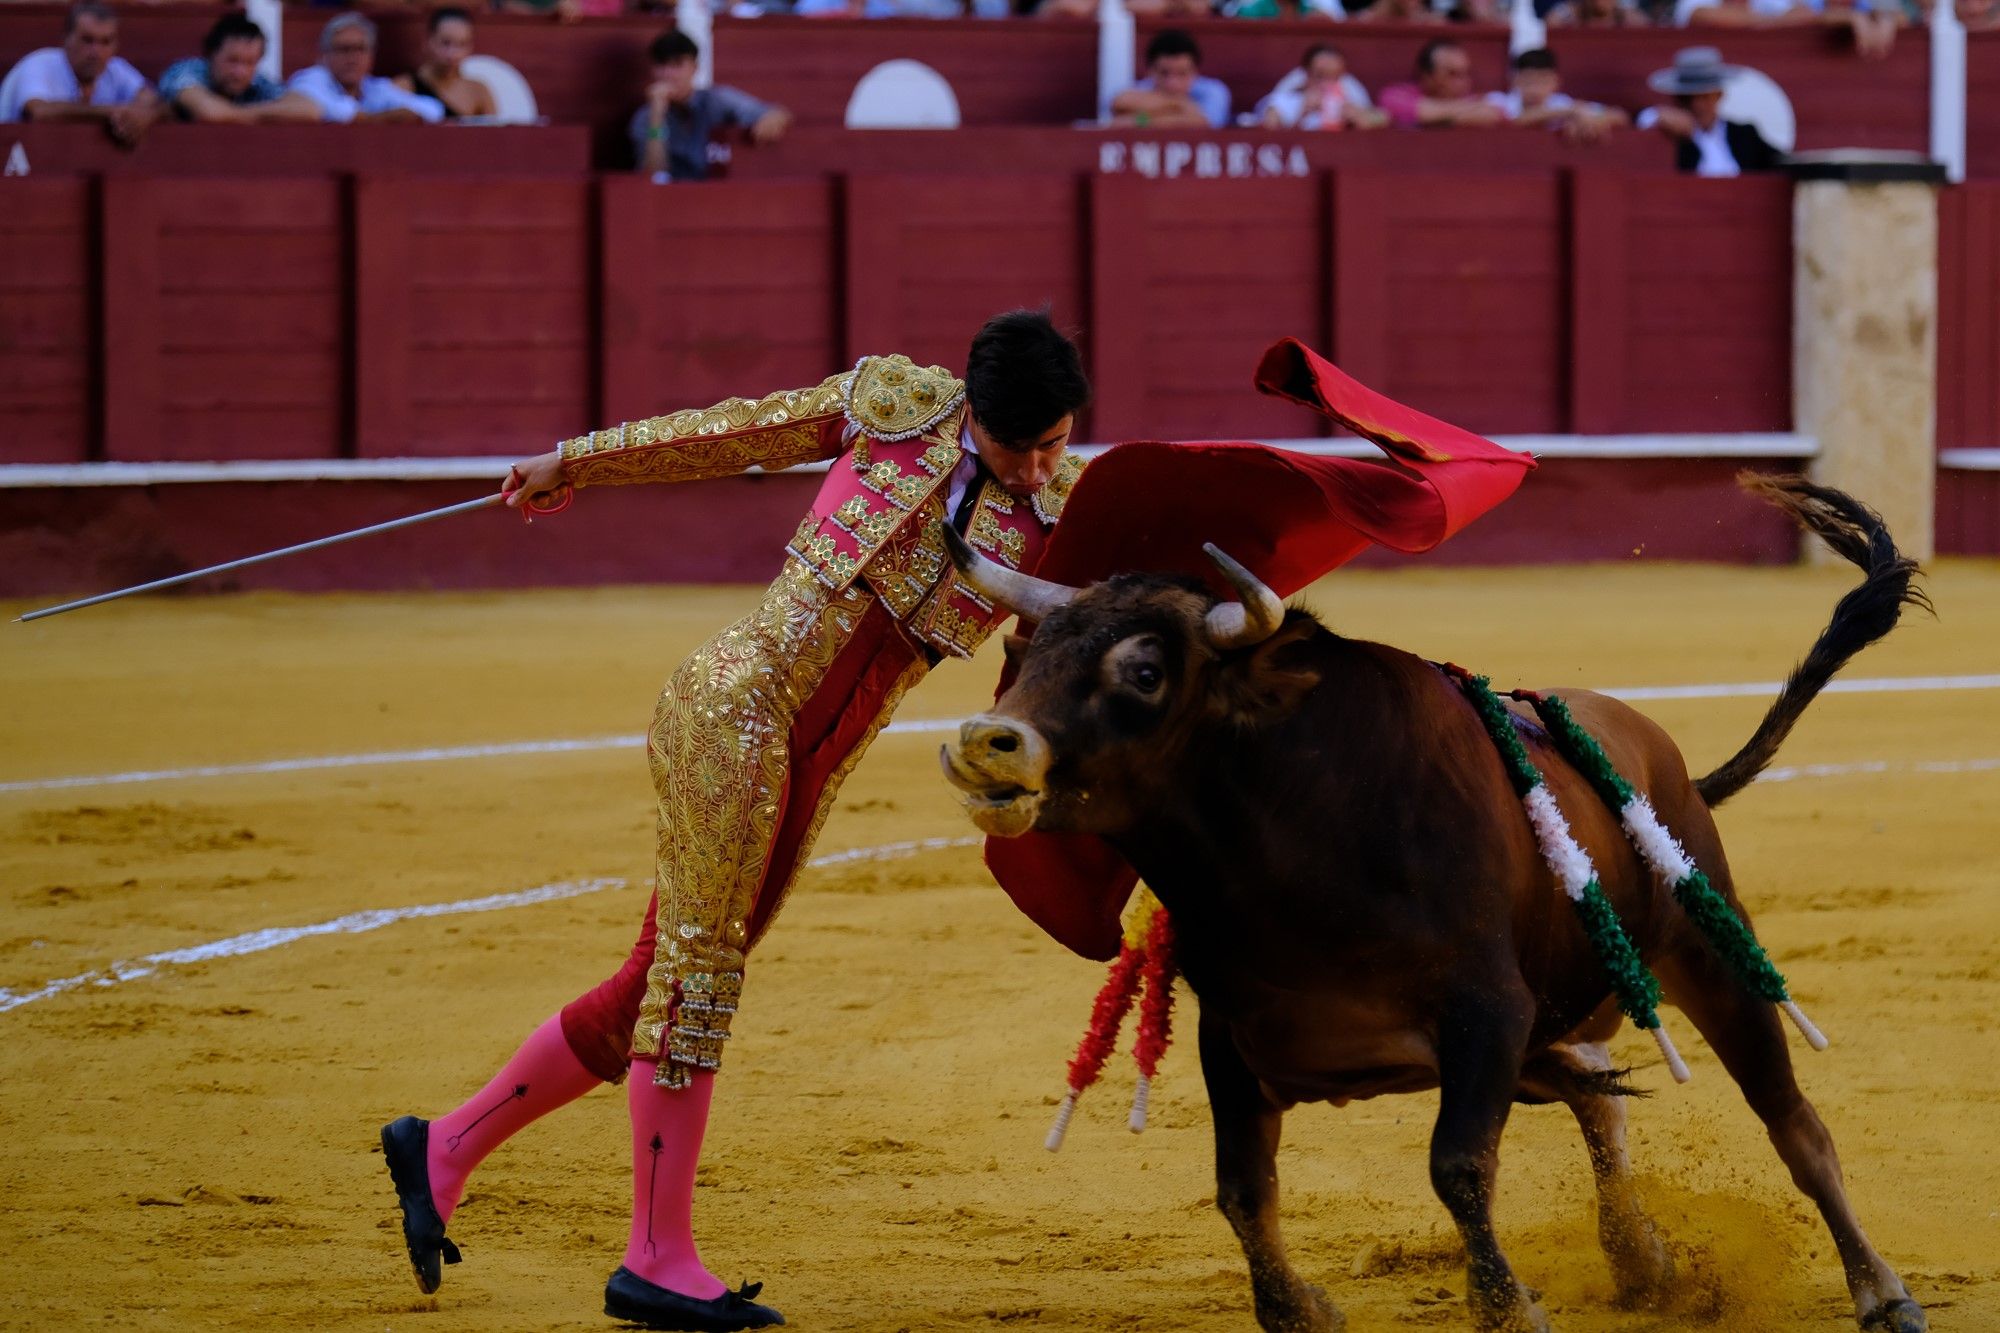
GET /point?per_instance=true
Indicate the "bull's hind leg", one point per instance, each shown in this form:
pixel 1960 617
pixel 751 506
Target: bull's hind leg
pixel 1246 1188
pixel 1745 1033
pixel 1480 1043
pixel 1639 1261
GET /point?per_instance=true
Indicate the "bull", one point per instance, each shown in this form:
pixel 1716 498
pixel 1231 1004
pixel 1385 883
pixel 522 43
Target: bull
pixel 1359 901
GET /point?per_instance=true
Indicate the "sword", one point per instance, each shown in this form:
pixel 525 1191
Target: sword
pixel 484 502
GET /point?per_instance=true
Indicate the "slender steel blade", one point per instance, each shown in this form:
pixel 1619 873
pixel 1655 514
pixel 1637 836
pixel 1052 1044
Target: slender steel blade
pixel 484 502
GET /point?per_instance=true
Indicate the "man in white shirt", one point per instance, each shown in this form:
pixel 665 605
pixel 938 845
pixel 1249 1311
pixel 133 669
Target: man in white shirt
pixel 1704 143
pixel 344 82
pixel 83 79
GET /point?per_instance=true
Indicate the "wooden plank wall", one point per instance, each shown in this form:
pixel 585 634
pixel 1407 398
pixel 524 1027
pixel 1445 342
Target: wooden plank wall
pixel 708 293
pixel 1188 287
pixel 1031 73
pixel 49 338
pixel 1452 297
pixel 1969 317
pixel 381 316
pixel 1681 306
pixel 225 318
pixel 1968 512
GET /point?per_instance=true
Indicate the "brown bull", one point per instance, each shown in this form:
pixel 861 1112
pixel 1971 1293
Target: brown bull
pixel 1360 904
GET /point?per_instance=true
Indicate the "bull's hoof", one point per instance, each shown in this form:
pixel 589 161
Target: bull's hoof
pixel 1523 1316
pixel 1641 1268
pixel 1307 1310
pixel 1898 1316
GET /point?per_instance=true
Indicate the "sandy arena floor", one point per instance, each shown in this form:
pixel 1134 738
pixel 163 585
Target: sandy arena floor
pixel 195 1147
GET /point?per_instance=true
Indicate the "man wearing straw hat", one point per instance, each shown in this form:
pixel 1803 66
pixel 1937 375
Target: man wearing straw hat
pixel 1704 143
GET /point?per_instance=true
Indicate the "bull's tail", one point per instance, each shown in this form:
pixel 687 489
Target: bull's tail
pixel 1864 615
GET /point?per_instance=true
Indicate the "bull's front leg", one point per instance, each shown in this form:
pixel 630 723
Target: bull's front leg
pixel 1480 1045
pixel 1247 1126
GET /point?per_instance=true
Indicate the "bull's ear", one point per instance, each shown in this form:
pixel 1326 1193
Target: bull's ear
pixel 1271 679
pixel 1014 646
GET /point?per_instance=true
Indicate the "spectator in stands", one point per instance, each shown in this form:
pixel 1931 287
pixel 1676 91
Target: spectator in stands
pixel 1597 14
pixel 1319 95
pixel 83 79
pixel 1442 95
pixel 1174 94
pixel 1874 27
pixel 1535 99
pixel 673 131
pixel 1705 143
pixel 564 11
pixel 222 85
pixel 439 77
pixel 883 9
pixel 344 86
pixel 1396 11
pixel 1284 9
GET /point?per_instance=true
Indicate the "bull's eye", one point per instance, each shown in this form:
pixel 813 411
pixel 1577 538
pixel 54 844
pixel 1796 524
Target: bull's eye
pixel 1145 677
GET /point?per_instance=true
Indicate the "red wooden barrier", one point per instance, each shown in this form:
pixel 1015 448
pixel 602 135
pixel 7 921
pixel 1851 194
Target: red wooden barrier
pixel 711 292
pixel 302 150
pixel 1025 73
pixel 1452 295
pixel 473 310
pixel 1680 304
pixel 49 337
pixel 1968 512
pixel 1185 154
pixel 1969 317
pixel 224 316
pixel 489 311
pixel 928 259
pixel 1191 280
pixel 1982 113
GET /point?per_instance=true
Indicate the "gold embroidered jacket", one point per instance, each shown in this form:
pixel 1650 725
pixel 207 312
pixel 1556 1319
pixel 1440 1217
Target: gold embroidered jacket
pixel 893 428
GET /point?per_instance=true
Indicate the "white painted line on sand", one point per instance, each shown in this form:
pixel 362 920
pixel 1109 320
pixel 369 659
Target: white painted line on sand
pixel 1753 689
pixel 272 937
pixel 360 923
pixel 1879 766
pixel 913 727
pixel 311 762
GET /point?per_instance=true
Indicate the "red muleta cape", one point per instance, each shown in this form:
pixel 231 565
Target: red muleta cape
pixel 1289 517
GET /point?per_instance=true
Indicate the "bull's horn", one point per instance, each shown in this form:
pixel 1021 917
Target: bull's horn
pixel 1250 620
pixel 1025 595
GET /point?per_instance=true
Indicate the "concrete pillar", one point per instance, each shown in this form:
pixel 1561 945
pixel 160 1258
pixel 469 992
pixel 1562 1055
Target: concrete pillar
pixel 1864 332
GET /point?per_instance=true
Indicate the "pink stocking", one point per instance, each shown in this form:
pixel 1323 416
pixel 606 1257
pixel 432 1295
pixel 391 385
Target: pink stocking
pixel 543 1075
pixel 667 1125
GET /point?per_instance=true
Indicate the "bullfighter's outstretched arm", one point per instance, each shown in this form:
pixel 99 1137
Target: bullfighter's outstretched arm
pixel 777 431
pixel 885 397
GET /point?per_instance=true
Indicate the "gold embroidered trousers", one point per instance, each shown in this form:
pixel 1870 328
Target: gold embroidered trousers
pixel 749 745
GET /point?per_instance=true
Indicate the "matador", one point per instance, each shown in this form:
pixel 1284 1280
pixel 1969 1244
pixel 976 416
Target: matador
pixel 751 740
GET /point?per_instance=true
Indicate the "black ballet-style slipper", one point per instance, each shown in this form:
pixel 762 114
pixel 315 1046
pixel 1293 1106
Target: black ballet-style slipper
pixel 405 1147
pixel 629 1297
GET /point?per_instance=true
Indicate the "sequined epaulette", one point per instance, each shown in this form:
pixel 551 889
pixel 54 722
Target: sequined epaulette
pixel 892 398
pixel 1049 501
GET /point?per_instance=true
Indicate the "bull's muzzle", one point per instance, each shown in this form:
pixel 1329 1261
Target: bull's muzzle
pixel 1001 765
